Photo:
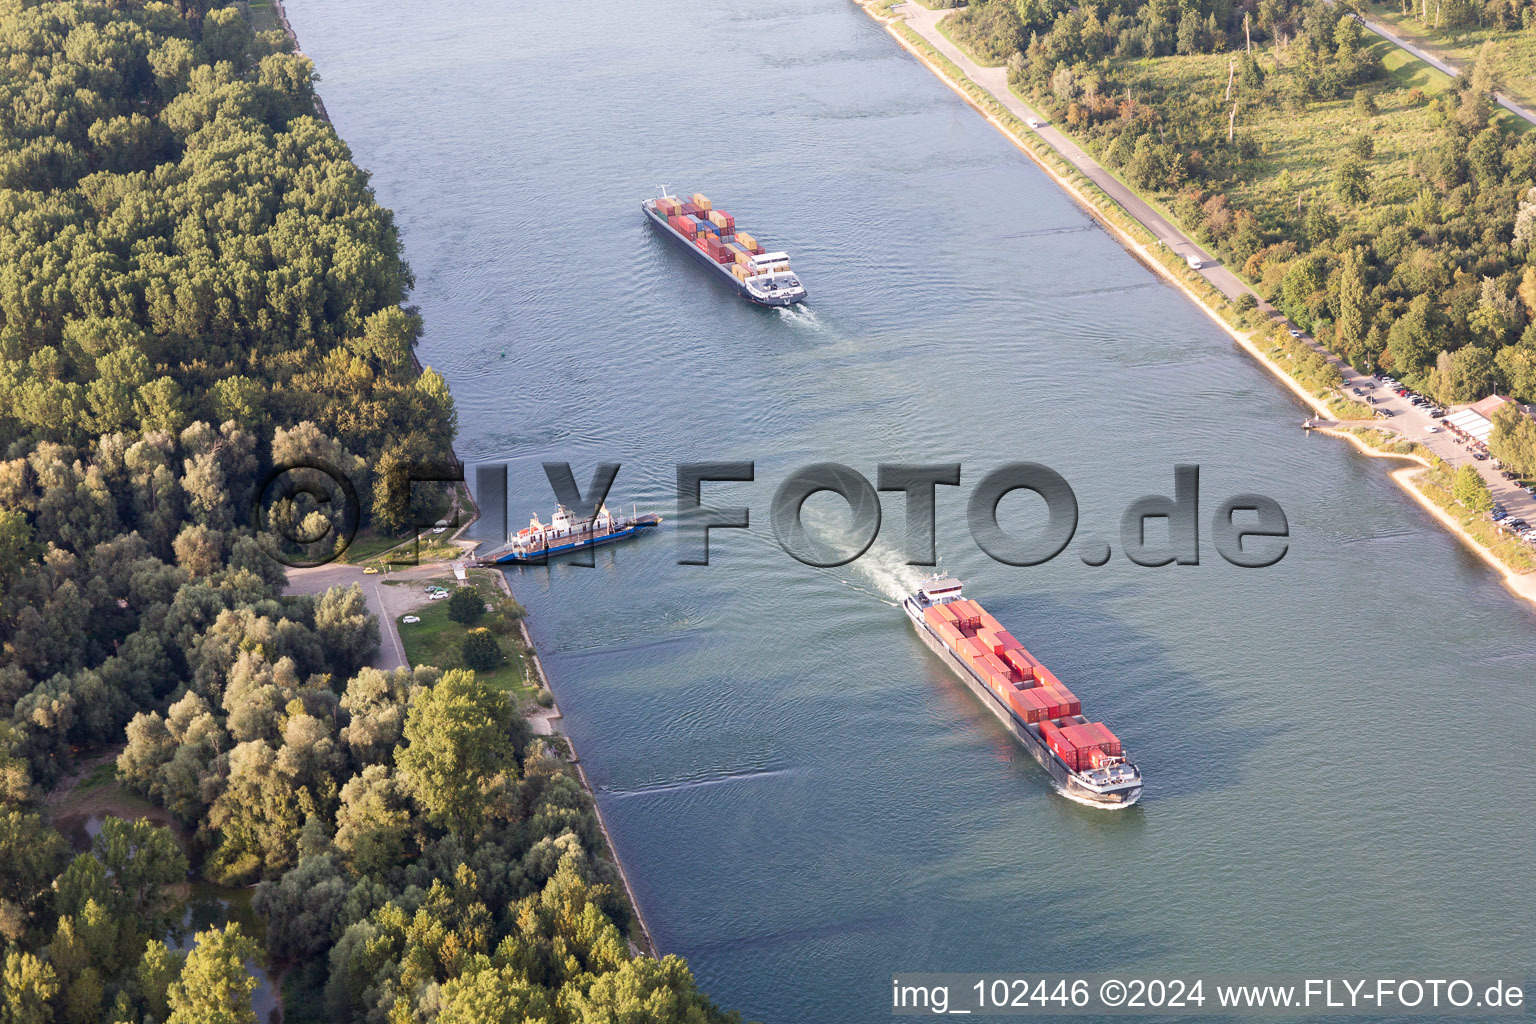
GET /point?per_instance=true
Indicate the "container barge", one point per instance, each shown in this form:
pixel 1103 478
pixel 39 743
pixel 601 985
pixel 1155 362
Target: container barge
pixel 566 533
pixel 1084 758
pixel 737 257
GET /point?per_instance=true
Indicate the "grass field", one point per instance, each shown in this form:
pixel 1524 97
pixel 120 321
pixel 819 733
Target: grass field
pixel 435 640
pixel 1514 50
pixel 1300 149
pixel 262 16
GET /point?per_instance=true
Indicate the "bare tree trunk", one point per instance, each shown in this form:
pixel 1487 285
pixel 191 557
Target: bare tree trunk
pixel 1437 15
pixel 1246 34
pixel 1231 73
pixel 1231 122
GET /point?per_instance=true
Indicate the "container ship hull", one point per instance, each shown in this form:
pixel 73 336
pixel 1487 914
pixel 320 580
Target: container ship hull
pixel 1070 783
pixel 537 553
pixel 786 296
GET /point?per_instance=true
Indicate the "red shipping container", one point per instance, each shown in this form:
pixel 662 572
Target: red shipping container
pixel 1098 758
pixel 988 622
pixel 1009 641
pixel 1046 677
pixel 1030 705
pixel 1057 706
pixel 1093 735
pixel 994 663
pixel 1019 661
pixel 933 618
pixel 692 210
pixel 946 611
pixel 998 683
pixel 949 634
pixel 1110 740
pixel 989 640
pixel 1060 744
pixel 1069 702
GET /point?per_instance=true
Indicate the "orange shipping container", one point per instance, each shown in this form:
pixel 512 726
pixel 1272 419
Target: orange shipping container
pixel 995 664
pixel 989 622
pixel 948 612
pixel 988 639
pixel 1046 677
pixel 746 240
pixel 968 648
pixel 701 201
pixel 1022 707
pixel 933 618
pixel 949 634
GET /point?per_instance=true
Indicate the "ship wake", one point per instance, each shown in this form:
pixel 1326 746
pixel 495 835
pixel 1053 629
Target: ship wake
pixel 1096 805
pixel 802 315
pixel 888 570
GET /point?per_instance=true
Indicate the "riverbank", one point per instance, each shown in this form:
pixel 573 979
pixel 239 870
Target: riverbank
pixel 550 722
pixel 1214 300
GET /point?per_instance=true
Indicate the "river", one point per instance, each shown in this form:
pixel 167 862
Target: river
pixel 1337 748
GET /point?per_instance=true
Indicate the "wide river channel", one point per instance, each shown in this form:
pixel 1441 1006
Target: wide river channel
pixel 1338 749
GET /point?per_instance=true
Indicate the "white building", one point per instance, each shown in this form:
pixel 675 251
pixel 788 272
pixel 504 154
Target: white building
pixel 1477 419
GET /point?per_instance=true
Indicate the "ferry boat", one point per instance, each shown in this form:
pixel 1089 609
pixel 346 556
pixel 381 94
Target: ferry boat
pixel 1084 758
pixel 738 258
pixel 566 533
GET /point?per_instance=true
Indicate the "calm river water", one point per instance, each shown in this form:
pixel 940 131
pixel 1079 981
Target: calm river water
pixel 1338 749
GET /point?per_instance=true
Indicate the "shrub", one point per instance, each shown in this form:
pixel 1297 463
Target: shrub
pixel 544 698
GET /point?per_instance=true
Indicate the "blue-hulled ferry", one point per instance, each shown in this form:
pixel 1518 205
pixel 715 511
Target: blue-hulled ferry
pixel 565 533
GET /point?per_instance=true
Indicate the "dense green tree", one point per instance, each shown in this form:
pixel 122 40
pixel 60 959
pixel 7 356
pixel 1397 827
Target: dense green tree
pixel 1513 439
pixel 214 986
pixel 27 986
pixel 466 605
pixel 459 751
pixel 480 650
pixel 1471 490
pixel 1463 375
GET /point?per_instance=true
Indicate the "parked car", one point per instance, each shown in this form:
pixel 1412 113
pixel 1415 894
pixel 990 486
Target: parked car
pixel 410 619
pixel 1297 332
pixel 1432 429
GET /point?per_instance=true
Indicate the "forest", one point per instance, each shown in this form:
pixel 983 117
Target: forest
pixel 1392 217
pixel 196 285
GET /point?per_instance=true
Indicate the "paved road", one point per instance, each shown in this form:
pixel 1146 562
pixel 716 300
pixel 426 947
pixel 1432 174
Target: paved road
pixel 384 603
pixel 1442 65
pixel 1407 420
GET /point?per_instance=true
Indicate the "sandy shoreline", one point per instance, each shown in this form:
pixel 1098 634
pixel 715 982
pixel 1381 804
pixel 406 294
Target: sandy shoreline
pixel 1520 584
